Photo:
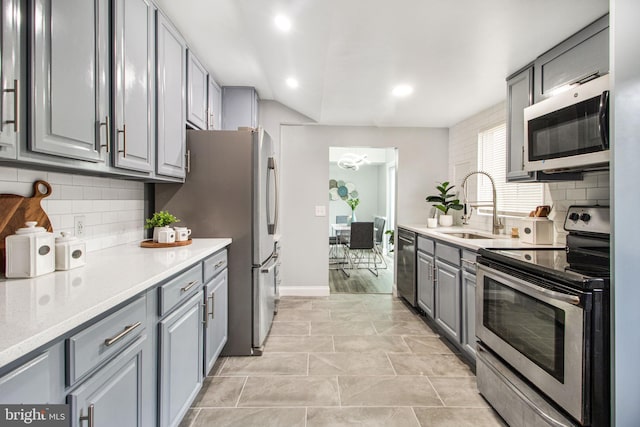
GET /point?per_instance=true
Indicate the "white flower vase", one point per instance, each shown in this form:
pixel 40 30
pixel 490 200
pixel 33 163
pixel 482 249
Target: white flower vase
pixel 353 216
pixel 446 220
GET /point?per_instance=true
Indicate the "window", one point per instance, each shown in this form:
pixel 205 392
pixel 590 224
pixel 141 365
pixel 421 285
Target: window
pixel 513 198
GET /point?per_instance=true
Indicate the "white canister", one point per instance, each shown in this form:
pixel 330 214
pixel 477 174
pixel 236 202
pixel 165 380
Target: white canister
pixel 182 233
pixel 166 236
pixel 30 252
pixel 70 252
pixel 537 231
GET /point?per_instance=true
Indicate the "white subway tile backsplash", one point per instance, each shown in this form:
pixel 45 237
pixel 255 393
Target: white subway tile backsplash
pixel 577 194
pixel 8 174
pixel 598 193
pixel 60 178
pixel 26 175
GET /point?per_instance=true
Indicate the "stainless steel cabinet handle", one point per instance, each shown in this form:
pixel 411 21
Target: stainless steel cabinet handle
pixel 213 306
pixel 127 330
pixel 205 321
pixel 188 157
pixel 16 107
pixel 123 131
pixel 522 157
pixel 219 264
pixel 88 417
pixel 469 263
pixel 188 286
pixel 107 125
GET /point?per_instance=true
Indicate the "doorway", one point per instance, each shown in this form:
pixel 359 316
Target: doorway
pixel 363 179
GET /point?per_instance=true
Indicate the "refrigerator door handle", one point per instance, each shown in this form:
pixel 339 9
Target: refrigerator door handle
pixel 272 170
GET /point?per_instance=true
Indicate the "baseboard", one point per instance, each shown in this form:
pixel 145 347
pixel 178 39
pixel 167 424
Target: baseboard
pixel 304 291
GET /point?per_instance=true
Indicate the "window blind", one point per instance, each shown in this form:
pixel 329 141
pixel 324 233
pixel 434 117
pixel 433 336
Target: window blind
pixel 513 198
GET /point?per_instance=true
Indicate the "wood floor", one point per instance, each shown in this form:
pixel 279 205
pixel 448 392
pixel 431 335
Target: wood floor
pixel 362 281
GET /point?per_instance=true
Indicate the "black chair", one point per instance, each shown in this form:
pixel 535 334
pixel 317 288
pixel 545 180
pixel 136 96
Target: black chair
pixel 361 244
pixel 378 233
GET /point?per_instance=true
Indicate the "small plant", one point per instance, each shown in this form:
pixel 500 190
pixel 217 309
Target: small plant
pixel 353 203
pixel 445 201
pixel 391 239
pixel 160 219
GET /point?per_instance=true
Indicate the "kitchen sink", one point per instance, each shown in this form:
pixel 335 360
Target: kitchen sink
pixel 468 235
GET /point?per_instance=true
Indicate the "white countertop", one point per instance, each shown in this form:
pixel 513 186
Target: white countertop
pixel 501 241
pixel 35 311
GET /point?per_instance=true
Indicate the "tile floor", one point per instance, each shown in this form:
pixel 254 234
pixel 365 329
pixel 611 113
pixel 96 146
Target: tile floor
pixel 344 360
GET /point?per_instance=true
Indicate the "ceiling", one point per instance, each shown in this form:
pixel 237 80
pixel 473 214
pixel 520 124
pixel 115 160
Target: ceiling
pixel 348 54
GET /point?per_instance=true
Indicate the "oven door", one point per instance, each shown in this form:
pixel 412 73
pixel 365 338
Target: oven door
pixel 539 332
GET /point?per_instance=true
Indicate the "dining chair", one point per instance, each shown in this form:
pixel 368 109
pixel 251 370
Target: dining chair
pixel 361 244
pixel 337 258
pixel 378 232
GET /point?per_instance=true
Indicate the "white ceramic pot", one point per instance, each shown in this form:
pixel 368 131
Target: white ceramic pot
pixel 446 220
pixel 432 222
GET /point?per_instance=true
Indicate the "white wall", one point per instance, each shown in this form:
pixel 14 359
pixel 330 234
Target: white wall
pixel 366 181
pixel 422 161
pixel 113 208
pixel 463 155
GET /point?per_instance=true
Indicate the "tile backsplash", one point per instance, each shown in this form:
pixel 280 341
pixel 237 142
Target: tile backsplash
pixel 113 209
pixel 463 155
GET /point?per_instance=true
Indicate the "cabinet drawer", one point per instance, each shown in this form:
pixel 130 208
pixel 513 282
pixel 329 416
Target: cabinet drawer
pixel 179 288
pixel 469 261
pixel 425 245
pixel 214 265
pixel 88 349
pixel 448 253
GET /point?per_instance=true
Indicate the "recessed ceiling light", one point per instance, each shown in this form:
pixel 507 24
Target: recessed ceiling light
pixel 402 90
pixel 292 82
pixel 283 23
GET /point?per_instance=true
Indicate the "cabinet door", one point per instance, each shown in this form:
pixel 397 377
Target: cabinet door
pixel 519 96
pixel 171 70
pixel 425 283
pixel 469 312
pixel 70 78
pixel 239 107
pixel 9 75
pixel 180 360
pixel 580 57
pixel 134 91
pixel 216 323
pixel 448 299
pixel 215 105
pixel 197 101
pixel 114 395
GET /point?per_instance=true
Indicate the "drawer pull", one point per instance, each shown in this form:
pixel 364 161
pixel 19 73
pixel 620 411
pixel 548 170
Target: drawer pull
pixel 469 263
pixel 205 306
pixel 127 330
pixel 213 306
pixel 219 264
pixel 189 286
pixel 88 417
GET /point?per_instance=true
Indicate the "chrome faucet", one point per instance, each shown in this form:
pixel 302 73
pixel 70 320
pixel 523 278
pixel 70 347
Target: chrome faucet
pixel 497 224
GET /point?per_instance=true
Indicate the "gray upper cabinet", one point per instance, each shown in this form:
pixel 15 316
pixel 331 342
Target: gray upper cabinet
pixel 197 102
pixel 580 57
pixel 171 81
pixel 9 78
pixel 239 107
pixel 519 96
pixel 425 283
pixel 134 85
pixel 214 116
pixel 70 78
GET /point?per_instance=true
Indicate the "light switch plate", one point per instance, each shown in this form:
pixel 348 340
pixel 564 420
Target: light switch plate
pixel 321 210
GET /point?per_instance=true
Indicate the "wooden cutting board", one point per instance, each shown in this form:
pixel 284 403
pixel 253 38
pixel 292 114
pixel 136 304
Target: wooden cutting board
pixel 16 210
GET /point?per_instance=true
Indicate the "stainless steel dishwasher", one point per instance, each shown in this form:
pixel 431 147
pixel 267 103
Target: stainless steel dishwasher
pixel 406 254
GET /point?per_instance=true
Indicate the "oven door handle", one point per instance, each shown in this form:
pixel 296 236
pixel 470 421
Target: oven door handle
pixel 523 286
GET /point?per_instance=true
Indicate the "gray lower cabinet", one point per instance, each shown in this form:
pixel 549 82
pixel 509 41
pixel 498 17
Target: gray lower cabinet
pixel 197 102
pixel 447 299
pixel 469 313
pixel 134 85
pixel 114 396
pixel 519 96
pixel 216 324
pixel 10 77
pixel 578 58
pixel 239 107
pixel 426 268
pixel 214 113
pixel 180 364
pixel 171 82
pixel 69 78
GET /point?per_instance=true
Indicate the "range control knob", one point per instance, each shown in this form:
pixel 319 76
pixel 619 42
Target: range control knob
pixel 585 217
pixel 574 216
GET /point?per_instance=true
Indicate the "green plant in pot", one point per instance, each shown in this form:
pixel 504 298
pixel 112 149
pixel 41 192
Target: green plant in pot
pixel 160 220
pixel 392 240
pixel 444 202
pixel 353 204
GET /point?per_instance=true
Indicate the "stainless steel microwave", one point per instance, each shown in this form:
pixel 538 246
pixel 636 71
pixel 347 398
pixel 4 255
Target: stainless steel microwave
pixel 570 130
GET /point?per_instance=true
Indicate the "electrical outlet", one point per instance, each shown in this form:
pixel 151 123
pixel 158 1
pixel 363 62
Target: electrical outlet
pixel 78 225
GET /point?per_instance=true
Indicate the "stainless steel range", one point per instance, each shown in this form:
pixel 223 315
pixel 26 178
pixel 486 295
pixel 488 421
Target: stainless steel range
pixel 543 324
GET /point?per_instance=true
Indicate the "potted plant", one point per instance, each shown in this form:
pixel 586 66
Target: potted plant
pixel 160 220
pixel 445 201
pixel 353 204
pixel 391 239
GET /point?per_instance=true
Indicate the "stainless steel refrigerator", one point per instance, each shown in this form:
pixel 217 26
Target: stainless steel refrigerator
pixel 231 191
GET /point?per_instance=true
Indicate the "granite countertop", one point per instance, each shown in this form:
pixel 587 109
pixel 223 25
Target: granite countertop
pixel 36 311
pixel 500 241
